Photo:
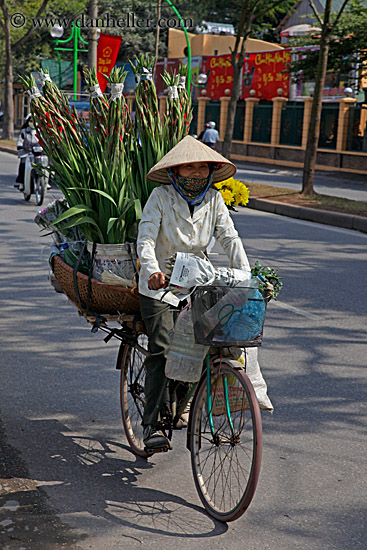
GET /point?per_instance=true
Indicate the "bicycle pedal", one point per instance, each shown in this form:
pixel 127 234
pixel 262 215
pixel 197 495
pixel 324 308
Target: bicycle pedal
pixel 164 449
pixel 180 424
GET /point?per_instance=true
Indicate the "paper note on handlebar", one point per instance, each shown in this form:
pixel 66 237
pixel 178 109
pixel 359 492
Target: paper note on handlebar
pixel 191 270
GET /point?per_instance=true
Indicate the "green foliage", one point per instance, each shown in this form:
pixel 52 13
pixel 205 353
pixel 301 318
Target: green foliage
pixel 178 114
pixel 156 137
pixel 348 46
pixel 138 40
pixel 101 167
pixel 263 28
pixel 267 275
pixel 142 40
pixel 39 45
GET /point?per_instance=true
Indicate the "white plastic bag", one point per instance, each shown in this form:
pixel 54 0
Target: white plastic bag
pixel 257 380
pixel 185 357
pixel 249 359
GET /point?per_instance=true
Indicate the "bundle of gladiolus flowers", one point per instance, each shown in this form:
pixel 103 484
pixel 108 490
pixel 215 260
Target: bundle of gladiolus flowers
pixel 234 192
pixel 101 165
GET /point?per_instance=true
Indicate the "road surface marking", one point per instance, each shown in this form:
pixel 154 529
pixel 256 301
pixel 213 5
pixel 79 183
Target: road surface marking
pixel 298 311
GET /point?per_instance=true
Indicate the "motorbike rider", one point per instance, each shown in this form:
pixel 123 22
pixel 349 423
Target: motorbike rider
pixel 26 140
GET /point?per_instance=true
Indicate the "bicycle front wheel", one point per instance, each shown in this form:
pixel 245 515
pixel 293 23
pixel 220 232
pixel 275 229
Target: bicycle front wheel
pixel 226 442
pixel 39 188
pixel 132 398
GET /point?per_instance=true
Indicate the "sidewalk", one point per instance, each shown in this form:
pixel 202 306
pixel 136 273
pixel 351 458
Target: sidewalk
pixel 346 221
pixel 8 149
pixel 331 183
pixel 337 184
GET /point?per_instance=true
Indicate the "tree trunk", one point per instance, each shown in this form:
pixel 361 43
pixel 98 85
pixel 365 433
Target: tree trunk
pixel 8 124
pixel 156 49
pixel 93 35
pixel 232 105
pixel 243 32
pixel 314 128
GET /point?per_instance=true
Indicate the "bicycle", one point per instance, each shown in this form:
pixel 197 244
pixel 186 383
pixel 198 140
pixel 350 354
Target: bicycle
pixel 224 433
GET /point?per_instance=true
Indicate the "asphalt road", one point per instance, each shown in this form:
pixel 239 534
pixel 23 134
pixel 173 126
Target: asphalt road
pixel 69 480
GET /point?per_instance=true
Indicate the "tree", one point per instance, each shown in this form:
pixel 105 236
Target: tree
pixel 5 24
pixel 25 45
pixel 347 49
pixel 252 13
pixel 93 37
pixel 328 28
pixel 143 39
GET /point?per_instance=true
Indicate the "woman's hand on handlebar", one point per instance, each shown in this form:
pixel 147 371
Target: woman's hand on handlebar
pixel 268 292
pixel 157 280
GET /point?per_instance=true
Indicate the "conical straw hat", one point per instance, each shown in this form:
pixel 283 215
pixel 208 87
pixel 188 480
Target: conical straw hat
pixel 190 150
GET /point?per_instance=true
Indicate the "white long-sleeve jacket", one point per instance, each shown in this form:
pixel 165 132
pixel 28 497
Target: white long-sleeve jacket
pixel 167 227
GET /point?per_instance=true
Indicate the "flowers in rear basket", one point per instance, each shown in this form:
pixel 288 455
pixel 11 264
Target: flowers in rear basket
pixel 234 192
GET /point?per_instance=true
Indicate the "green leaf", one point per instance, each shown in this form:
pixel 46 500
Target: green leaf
pixel 72 212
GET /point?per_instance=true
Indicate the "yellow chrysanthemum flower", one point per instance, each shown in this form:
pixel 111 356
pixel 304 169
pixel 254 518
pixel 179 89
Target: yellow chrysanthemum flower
pixel 219 185
pixel 227 196
pixel 244 194
pixel 233 192
pixel 241 193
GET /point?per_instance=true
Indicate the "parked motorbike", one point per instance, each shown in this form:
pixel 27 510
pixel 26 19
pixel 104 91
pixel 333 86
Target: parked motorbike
pixel 35 182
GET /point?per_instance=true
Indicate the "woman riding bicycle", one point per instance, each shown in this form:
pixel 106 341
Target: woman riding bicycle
pixel 181 216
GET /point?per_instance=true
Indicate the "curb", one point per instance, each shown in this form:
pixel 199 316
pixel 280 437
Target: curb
pixel 346 221
pixel 9 150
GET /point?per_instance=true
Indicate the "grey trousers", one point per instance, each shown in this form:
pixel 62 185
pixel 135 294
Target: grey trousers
pixel 159 320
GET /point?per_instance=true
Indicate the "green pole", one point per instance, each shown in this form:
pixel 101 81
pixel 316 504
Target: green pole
pixel 75 34
pixel 75 60
pixel 59 59
pixel 188 83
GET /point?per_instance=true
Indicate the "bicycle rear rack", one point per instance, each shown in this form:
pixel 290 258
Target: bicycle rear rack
pixel 127 333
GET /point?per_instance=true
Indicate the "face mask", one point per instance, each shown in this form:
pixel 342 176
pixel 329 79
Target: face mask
pixel 193 190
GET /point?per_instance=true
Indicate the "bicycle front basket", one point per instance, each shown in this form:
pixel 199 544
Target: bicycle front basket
pixel 224 316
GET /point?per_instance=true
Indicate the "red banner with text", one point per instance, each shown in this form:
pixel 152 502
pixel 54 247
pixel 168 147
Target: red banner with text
pixel 262 72
pixel 107 51
pixel 220 75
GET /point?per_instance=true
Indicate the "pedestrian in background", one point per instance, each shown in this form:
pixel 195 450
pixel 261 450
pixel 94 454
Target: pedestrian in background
pixel 210 136
pixel 206 126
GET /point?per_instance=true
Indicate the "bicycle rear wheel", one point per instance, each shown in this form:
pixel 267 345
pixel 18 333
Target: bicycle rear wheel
pixel 226 442
pixel 132 398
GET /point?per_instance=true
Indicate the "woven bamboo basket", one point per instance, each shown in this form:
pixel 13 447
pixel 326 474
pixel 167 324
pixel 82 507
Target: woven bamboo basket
pixel 107 299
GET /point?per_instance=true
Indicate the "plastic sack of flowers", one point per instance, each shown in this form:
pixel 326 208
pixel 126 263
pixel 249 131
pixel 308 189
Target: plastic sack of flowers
pixel 45 219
